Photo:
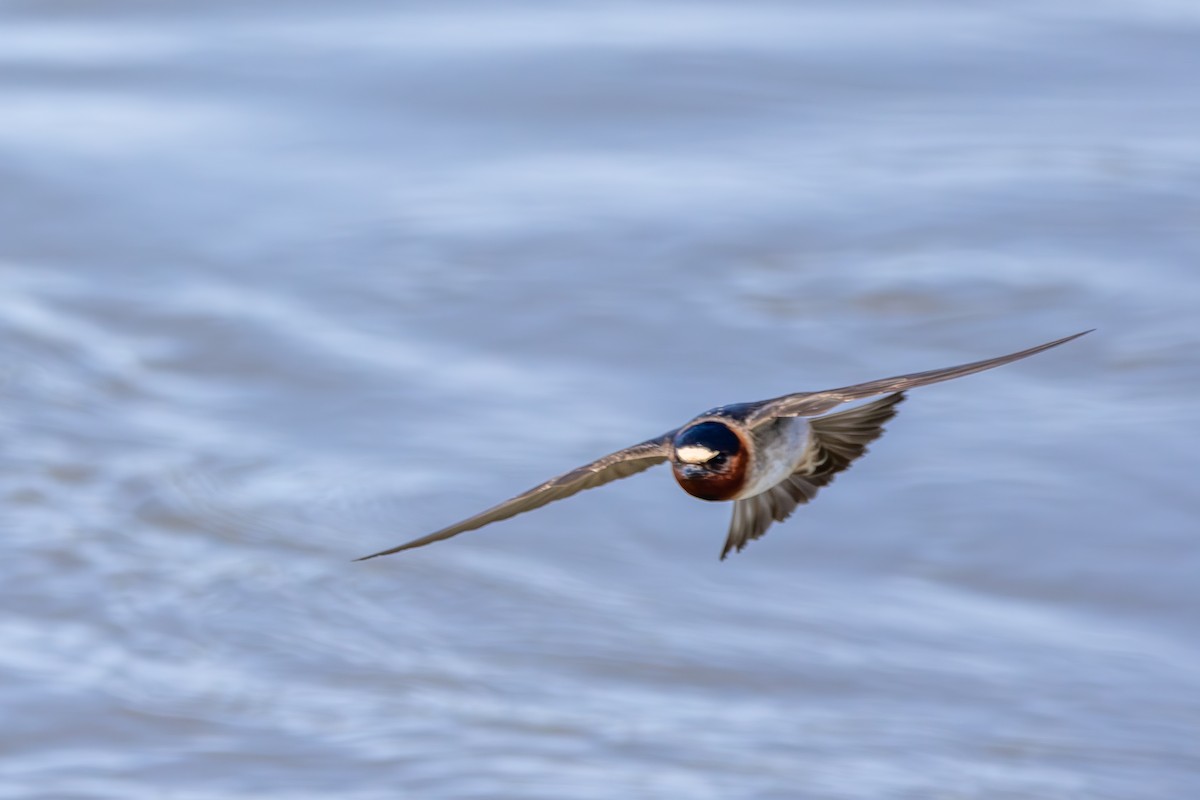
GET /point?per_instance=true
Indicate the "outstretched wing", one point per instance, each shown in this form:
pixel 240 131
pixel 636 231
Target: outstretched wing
pixel 807 404
pixel 611 467
pixel 835 442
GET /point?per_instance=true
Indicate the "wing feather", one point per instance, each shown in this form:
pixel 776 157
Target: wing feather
pixel 611 467
pixel 807 404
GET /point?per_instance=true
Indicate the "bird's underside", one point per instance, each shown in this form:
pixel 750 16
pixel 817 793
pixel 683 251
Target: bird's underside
pixel 836 441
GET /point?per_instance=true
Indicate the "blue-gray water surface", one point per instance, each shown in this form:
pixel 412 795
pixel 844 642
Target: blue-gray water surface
pixel 285 284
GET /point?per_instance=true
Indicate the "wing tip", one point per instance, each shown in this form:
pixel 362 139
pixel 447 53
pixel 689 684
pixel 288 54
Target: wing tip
pixel 1066 339
pixel 382 553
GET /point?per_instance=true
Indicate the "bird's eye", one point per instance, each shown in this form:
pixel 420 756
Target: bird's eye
pixel 718 460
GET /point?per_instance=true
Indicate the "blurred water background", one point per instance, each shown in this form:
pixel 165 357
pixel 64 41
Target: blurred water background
pixel 284 284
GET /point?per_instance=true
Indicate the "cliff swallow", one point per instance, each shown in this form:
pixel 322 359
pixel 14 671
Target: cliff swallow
pixel 767 457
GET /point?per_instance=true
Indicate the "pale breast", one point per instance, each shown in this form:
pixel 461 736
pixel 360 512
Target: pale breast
pixel 777 451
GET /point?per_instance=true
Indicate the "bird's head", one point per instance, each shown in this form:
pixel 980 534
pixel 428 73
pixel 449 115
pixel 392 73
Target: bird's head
pixel 709 460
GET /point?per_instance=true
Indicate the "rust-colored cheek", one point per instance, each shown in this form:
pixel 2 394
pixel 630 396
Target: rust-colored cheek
pixel 713 485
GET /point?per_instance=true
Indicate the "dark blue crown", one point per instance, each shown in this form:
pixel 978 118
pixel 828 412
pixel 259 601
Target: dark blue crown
pixel 713 435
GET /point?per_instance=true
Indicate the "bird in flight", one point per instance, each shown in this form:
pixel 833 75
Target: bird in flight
pixel 767 457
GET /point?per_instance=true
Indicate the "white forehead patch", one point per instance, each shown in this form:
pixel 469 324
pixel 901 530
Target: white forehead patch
pixel 695 454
